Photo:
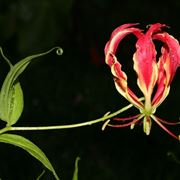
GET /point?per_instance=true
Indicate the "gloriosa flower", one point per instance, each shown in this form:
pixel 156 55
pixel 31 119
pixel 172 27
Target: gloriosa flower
pixel 153 76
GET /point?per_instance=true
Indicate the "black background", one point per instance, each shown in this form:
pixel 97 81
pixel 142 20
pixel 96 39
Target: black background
pixel 78 87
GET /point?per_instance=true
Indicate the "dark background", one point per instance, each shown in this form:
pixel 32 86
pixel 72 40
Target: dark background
pixel 78 87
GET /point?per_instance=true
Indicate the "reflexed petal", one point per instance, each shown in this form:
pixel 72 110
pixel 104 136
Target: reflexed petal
pixel 117 35
pixel 120 77
pixel 145 61
pixel 167 66
pixel 172 61
pixel 162 87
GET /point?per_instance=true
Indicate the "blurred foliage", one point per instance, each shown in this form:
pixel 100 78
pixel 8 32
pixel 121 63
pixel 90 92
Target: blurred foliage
pixel 34 24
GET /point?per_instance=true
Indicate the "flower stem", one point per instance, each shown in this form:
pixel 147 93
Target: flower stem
pixel 105 117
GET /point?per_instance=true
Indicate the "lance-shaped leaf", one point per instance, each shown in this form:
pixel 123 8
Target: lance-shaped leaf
pixel 11 96
pixel 30 147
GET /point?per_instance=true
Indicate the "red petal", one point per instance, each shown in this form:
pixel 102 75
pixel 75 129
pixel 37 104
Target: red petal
pixel 162 88
pixel 118 34
pixel 173 48
pixel 145 61
pixel 110 52
pixel 167 66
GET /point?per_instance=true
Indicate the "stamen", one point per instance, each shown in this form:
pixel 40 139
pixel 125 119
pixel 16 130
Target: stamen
pixel 166 122
pixel 124 125
pixel 164 128
pixel 127 118
pixel 105 125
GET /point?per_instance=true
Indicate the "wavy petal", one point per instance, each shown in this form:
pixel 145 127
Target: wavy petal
pixel 145 63
pixel 162 86
pixel 145 60
pixel 117 35
pixel 120 77
pixel 172 61
pixel 167 66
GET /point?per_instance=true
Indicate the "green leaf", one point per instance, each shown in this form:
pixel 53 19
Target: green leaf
pixel 75 175
pixel 11 95
pixel 15 104
pixel 30 147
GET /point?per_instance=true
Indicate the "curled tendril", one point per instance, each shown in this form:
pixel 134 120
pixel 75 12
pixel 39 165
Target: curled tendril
pixel 59 51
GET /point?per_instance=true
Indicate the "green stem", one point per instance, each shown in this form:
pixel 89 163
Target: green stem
pixel 105 117
pixel 8 128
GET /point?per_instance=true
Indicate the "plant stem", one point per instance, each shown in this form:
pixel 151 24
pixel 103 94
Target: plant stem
pixel 105 117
